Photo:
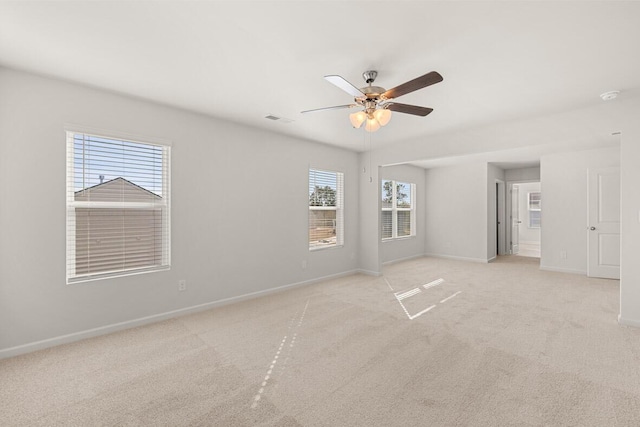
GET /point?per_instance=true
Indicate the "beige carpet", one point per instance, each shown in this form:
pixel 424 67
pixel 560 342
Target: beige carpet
pixel 502 344
pixel 529 249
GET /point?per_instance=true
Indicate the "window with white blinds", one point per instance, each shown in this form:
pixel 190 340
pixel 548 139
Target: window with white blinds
pixel 534 204
pixel 326 201
pixel 117 207
pixel 398 209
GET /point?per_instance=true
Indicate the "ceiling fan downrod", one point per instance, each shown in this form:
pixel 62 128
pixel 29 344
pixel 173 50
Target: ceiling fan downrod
pixel 370 76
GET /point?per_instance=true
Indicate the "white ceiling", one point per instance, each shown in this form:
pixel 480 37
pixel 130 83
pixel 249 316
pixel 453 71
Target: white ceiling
pixel 501 61
pixel 521 157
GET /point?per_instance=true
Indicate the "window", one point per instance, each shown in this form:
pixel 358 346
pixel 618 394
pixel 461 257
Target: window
pixel 398 209
pixel 117 207
pixel 325 209
pixel 534 205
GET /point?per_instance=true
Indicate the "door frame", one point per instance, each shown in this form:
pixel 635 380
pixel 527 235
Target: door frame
pixel 508 203
pixel 501 237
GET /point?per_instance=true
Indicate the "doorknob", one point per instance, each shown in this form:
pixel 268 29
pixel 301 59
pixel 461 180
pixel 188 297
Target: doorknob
pixel 592 228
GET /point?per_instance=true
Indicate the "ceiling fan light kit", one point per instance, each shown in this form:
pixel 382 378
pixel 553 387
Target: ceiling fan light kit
pixel 375 100
pixel 379 117
pixel 382 116
pixel 357 119
pixel 372 125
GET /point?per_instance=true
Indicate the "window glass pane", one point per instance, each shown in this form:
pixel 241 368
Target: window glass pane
pixel 322 188
pixel 322 228
pixel 403 194
pixel 404 223
pixel 99 160
pixel 387 223
pixel 534 200
pixel 387 194
pixel 534 219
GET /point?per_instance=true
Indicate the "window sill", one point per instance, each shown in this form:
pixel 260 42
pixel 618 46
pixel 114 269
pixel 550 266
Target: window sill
pixel 322 248
pixel 395 239
pixel 116 275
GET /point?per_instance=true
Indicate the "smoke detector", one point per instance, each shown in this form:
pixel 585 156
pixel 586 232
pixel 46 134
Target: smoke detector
pixel 608 96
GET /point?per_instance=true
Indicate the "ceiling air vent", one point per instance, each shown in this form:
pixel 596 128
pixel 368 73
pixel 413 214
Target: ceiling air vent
pixel 276 118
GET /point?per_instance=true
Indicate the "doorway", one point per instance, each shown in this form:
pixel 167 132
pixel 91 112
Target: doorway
pixel 524 208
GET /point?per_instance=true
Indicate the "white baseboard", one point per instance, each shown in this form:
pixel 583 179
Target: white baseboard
pixel 493 258
pixel 369 272
pixel 393 261
pixel 107 329
pixel 562 270
pixel 628 322
pixel 529 242
pixel 457 258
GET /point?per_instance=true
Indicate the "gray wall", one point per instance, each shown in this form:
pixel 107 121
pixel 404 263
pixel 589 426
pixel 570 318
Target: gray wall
pixel 239 211
pixel 461 212
pixel 522 174
pixel 456 216
pixel 564 218
pixel 630 221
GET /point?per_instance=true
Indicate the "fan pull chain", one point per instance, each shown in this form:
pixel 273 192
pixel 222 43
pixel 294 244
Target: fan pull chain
pixel 370 177
pixel 364 148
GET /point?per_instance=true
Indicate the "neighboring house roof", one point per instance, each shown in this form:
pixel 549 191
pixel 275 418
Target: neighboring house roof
pixel 115 188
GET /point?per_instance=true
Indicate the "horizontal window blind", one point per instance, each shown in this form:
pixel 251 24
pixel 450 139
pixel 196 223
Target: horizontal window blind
pixel 404 223
pixel 387 224
pixel 117 207
pixel 534 219
pixel 534 202
pixel 326 200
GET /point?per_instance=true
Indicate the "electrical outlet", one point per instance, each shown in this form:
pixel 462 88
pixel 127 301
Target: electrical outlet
pixel 563 254
pixel 182 285
pixel 304 264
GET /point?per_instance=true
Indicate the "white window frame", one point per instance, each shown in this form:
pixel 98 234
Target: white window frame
pixel 394 209
pixel 164 205
pixel 339 209
pixel 533 206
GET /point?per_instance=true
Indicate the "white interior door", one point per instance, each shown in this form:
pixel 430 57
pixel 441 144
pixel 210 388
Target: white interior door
pixel 604 223
pixel 515 219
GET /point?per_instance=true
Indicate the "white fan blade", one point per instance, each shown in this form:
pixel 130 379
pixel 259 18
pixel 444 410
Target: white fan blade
pixel 344 85
pixel 337 107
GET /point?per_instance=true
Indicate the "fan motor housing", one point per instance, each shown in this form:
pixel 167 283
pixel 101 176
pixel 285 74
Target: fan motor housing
pixel 373 92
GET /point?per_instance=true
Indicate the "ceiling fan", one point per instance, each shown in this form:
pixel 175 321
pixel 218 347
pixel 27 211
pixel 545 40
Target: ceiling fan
pixel 376 101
